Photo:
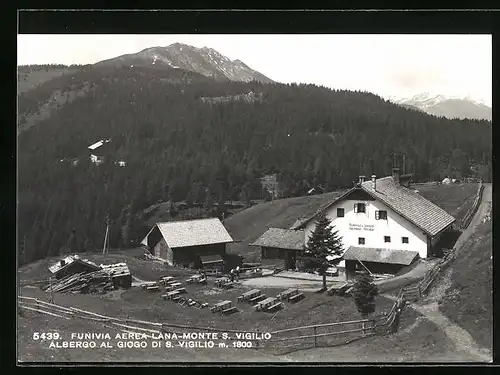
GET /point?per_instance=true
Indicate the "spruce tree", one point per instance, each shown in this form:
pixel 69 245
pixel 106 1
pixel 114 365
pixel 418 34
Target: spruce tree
pixel 324 242
pixel 364 293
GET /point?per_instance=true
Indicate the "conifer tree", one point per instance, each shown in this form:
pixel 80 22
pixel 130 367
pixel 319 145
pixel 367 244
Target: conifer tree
pixel 364 293
pixel 324 243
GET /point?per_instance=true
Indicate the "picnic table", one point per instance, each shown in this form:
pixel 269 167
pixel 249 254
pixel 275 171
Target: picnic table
pixel 197 279
pixel 166 279
pixel 262 305
pixel 249 295
pixel 221 306
pixel 175 285
pixel 287 293
pixel 171 295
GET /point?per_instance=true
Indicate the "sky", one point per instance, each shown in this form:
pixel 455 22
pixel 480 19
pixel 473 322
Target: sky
pixel 398 66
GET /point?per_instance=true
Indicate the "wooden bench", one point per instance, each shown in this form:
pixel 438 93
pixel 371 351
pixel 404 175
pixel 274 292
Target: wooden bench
pixel 274 307
pixel 145 286
pixel 296 297
pixel 229 310
pixel 228 285
pixel 181 290
pixel 258 298
pixel 171 295
pixel 175 285
pixel 153 288
pixel 221 306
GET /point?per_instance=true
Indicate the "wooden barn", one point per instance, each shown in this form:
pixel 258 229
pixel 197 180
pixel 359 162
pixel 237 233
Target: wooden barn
pixel 377 261
pixel 72 264
pixel 183 242
pixel 282 244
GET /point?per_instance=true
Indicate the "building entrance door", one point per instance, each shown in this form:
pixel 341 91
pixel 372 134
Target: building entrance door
pixel 290 260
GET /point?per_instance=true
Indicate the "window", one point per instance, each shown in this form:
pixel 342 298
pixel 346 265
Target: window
pixel 380 215
pixel 340 212
pixel 360 207
pixel 404 239
pixel 387 238
pixel 361 240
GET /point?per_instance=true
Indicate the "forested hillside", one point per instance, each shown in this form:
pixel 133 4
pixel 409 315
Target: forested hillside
pixel 179 147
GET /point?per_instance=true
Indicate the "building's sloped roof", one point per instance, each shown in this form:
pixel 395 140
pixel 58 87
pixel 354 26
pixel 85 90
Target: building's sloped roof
pixel 194 232
pixel 282 239
pixel 70 259
pixel 98 144
pixel 412 206
pixel 116 270
pixel 427 216
pixel 368 254
pixel 215 258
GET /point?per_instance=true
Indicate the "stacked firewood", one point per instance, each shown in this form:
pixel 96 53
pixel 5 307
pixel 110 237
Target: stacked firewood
pixel 85 282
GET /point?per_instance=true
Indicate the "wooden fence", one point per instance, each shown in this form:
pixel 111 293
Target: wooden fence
pixel 280 342
pixel 416 292
pixel 464 223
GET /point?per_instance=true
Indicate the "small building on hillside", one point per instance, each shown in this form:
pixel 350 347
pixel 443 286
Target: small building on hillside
pixel 71 265
pixel 119 273
pixel 281 244
pixel 183 242
pixel 99 150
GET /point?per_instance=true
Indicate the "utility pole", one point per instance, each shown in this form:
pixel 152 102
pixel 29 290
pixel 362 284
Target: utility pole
pixel 104 250
pixel 404 162
pixel 51 292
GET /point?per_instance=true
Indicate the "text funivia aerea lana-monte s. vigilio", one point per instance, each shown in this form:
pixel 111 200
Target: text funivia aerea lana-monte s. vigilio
pixel 171 336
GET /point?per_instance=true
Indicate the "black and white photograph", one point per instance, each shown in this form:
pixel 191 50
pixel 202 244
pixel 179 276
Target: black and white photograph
pixel 254 198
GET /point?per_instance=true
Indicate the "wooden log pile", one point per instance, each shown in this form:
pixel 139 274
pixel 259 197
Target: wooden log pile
pixel 86 282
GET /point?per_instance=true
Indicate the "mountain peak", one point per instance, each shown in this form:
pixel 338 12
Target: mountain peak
pixel 206 61
pixel 446 106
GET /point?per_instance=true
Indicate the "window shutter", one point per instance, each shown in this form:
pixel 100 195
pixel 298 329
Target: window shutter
pixel 355 207
pixel 377 215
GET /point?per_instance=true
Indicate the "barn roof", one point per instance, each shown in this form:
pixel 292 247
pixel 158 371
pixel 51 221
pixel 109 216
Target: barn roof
pixel 98 144
pixel 424 214
pixel 282 239
pixel 369 254
pixel 71 259
pixel 116 270
pixel 194 232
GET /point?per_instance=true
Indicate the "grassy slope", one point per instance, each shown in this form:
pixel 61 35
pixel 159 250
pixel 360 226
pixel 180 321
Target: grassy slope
pixel 137 303
pixel 469 300
pixel 456 199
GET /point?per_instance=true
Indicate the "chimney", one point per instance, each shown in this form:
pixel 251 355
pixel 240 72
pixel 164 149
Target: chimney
pixel 374 182
pixel 63 262
pixel 395 175
pixel 361 179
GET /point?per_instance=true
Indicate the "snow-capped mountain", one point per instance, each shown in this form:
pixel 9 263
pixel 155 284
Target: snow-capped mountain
pixel 206 61
pixel 450 107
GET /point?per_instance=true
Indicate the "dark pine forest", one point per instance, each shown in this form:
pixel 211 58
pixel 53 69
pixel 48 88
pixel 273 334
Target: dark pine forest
pixel 180 148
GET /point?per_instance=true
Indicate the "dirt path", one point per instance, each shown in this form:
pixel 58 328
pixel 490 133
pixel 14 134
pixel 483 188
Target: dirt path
pixel 429 306
pixel 463 341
